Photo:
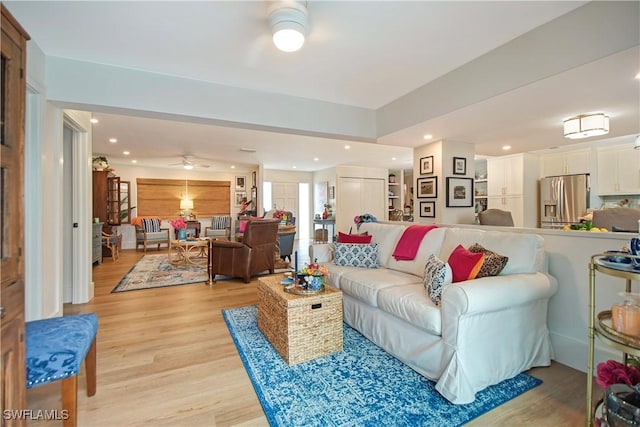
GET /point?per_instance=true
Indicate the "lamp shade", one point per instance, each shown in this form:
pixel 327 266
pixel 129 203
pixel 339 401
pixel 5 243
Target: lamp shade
pixel 288 22
pixel 186 204
pixel 586 125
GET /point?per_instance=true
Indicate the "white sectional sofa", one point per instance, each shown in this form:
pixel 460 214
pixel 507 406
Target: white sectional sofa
pixel 484 331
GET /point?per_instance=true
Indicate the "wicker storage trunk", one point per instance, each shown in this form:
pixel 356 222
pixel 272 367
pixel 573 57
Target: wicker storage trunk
pixel 300 328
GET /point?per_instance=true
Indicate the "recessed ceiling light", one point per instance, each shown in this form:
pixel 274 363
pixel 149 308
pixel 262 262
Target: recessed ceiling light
pixel 126 153
pixel 134 161
pixel 294 167
pixel 428 136
pixel 315 159
pixel 506 147
pixel 94 120
pixel 113 140
pixel 248 150
pixel 347 147
pixel 187 167
pixel 638 76
pixel 393 158
pixel 233 166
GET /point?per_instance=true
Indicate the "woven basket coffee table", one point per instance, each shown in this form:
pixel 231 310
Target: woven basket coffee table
pixel 300 327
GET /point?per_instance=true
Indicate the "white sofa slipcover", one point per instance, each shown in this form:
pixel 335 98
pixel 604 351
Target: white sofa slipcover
pixel 485 330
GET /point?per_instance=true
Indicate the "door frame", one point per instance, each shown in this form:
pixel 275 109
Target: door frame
pixel 81 211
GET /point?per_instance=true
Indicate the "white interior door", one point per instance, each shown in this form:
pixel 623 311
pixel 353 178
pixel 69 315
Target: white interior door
pixel 284 195
pixel 357 196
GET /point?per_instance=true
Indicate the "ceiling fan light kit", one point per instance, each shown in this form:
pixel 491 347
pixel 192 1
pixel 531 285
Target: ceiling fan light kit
pixel 586 125
pixel 289 22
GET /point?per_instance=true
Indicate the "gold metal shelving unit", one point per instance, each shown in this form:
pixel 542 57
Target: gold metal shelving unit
pixel 598 325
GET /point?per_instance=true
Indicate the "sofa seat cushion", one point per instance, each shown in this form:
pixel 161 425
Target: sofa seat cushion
pixel 411 304
pixel 364 283
pixel 431 243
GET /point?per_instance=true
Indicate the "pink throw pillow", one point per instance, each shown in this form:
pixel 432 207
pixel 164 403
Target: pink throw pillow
pixel 353 238
pixel 465 265
pixel 243 226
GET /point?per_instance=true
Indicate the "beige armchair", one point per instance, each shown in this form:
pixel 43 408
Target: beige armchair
pixel 255 254
pixel 220 227
pixel 496 217
pixel 149 233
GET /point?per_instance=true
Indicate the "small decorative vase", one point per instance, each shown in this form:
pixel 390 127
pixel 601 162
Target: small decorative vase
pixel 316 283
pixel 325 214
pixel 182 234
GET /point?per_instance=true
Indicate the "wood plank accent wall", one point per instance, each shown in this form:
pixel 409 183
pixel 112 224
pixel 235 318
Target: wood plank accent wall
pixel 161 197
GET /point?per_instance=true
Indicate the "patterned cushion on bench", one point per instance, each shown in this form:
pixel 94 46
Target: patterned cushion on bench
pixel 56 347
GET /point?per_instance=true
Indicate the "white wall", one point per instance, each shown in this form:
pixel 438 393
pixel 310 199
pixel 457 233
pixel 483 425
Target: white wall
pixel 443 153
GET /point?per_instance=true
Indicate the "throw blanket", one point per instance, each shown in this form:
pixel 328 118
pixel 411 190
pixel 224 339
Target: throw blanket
pixel 408 245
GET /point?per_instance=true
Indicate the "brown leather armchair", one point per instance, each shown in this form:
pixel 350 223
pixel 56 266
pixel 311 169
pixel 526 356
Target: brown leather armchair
pixel 255 254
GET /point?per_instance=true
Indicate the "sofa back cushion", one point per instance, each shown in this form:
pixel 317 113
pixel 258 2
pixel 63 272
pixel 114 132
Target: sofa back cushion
pixel 525 251
pixel 386 236
pixel 431 243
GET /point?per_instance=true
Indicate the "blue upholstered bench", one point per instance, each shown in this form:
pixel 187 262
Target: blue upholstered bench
pixel 55 350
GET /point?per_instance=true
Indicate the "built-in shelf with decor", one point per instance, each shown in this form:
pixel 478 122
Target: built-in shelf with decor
pixel 480 185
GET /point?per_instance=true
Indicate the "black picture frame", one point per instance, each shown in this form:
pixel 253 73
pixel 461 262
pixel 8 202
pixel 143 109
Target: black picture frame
pixel 426 165
pixel 428 209
pixel 427 187
pixel 459 166
pixel 253 179
pixel 459 192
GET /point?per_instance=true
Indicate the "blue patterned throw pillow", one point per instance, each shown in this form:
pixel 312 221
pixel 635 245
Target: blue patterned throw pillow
pixel 356 255
pixel 437 274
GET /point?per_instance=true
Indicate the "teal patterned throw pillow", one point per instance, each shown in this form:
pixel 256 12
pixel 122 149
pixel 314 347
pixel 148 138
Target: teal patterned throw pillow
pixel 356 255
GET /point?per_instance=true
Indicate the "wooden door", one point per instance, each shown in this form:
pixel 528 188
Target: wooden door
pixel 13 377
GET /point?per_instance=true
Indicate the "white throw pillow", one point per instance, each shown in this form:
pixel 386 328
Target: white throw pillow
pixel 437 275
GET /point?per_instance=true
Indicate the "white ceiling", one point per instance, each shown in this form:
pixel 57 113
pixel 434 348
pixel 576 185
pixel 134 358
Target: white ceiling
pixel 358 53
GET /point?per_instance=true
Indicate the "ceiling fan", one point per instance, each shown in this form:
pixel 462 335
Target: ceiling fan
pixel 188 163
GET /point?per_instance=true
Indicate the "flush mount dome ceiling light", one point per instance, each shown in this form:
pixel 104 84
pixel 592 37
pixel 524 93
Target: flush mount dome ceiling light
pixel 288 21
pixel 586 125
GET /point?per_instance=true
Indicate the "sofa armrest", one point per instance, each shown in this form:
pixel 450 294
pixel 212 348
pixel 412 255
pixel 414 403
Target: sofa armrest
pixel 321 252
pixel 496 293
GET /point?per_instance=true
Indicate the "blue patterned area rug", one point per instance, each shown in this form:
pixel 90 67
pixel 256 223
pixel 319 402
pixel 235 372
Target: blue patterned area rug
pixel 362 385
pixel 155 271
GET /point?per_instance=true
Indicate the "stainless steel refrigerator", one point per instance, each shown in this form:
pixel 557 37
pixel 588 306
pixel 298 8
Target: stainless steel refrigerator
pixel 563 199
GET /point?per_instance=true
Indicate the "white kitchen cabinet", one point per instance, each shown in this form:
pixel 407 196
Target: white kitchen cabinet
pixel 618 171
pixel 566 163
pixel 512 185
pixel 512 175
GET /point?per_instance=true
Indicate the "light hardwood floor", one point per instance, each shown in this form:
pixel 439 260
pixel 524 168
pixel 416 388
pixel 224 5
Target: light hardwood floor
pixel 165 358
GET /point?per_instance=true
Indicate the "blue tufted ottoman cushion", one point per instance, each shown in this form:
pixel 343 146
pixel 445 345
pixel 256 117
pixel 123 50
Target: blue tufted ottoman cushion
pixel 56 347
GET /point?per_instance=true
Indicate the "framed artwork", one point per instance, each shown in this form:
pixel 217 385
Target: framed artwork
pixel 459 166
pixel 241 196
pixel 428 209
pixel 427 187
pixel 241 183
pixel 253 178
pixel 426 165
pixel 459 192
pixel 332 192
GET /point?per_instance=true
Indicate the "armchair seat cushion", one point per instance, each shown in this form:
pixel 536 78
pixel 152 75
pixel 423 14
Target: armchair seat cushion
pixel 158 235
